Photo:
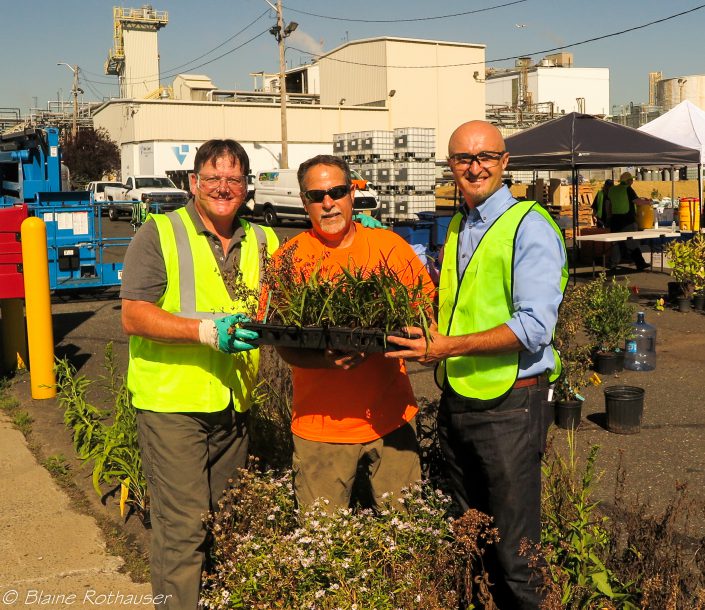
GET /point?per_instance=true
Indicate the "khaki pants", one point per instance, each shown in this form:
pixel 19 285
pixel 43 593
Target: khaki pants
pixel 188 459
pixel 327 470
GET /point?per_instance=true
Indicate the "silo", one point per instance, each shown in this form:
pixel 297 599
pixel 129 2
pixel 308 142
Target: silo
pixel 672 91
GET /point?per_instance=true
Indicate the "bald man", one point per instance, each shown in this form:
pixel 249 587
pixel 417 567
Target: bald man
pixel 502 281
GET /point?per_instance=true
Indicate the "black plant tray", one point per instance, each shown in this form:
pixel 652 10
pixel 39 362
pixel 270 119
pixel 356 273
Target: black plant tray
pixel 287 336
pixel 341 339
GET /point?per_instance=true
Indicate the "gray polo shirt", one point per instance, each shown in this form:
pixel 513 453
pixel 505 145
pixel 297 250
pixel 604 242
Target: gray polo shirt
pixel 144 272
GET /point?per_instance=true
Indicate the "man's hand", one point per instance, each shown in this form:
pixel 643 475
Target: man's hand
pixel 368 222
pixel 424 351
pixel 224 335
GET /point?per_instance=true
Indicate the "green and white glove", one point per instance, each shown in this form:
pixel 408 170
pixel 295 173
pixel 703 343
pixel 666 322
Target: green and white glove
pixel 368 222
pixel 223 334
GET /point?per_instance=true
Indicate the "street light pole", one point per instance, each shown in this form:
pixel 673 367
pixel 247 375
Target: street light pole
pixel 280 33
pixel 74 91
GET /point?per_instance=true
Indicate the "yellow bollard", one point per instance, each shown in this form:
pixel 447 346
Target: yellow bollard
pixel 40 335
pixel 14 341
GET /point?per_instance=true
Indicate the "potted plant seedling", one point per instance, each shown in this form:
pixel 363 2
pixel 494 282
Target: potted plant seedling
pixel 687 259
pixel 608 322
pixel 575 358
pixel 355 310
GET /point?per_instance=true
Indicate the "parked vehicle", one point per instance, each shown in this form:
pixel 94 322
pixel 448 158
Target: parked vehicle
pixel 96 189
pixel 158 191
pixel 277 196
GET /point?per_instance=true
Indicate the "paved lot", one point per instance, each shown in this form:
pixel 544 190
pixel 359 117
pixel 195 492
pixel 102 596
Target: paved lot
pixel 45 543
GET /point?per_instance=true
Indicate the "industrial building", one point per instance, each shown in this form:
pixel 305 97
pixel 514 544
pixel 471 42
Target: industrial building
pixel 528 93
pixel 373 84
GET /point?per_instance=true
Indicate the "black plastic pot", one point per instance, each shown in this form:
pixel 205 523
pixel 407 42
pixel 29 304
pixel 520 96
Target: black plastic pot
pixel 608 363
pixel 683 304
pixel 568 414
pixel 675 290
pixel 625 407
pixel 699 302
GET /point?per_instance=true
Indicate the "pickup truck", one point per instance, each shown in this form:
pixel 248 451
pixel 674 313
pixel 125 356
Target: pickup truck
pixel 159 191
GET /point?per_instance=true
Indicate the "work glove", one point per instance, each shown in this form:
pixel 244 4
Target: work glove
pixel 223 334
pixel 368 222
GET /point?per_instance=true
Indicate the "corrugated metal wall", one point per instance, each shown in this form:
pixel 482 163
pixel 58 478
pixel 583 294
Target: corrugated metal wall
pixel 352 74
pixel 141 63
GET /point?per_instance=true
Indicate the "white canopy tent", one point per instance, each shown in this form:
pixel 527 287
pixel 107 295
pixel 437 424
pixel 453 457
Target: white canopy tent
pixel 685 125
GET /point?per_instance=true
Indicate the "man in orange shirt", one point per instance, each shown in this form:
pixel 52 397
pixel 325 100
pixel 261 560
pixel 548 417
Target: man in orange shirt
pixel 349 408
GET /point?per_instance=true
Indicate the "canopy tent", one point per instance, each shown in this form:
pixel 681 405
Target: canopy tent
pixel 576 141
pixel 584 141
pixel 685 125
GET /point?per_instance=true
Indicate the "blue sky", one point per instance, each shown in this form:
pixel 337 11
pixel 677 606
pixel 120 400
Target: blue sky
pixel 36 35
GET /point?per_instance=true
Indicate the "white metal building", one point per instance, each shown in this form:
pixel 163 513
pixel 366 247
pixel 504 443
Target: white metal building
pixel 570 89
pixel 365 85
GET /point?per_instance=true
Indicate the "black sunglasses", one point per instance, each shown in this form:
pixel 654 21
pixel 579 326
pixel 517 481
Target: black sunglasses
pixel 334 192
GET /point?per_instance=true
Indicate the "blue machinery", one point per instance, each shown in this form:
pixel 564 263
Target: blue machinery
pixel 30 172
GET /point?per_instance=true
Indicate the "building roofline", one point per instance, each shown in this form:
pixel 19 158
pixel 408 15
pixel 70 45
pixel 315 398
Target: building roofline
pixel 449 43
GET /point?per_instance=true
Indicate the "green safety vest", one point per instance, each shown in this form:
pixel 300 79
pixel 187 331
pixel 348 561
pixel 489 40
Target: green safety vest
pixel 619 198
pixel 170 378
pixel 599 203
pixel 481 300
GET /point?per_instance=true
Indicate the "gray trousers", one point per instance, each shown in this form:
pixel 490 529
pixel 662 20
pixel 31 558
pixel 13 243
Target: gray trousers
pixel 327 470
pixel 188 459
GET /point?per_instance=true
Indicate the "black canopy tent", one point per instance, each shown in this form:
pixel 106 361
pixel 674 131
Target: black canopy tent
pixel 582 141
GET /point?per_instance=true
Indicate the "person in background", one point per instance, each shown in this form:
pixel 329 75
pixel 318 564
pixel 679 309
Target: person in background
pixel 349 408
pixel 191 372
pixel 502 281
pixel 600 205
pixel 623 219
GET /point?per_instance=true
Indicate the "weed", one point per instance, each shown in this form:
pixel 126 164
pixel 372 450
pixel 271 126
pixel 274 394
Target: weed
pixel 22 420
pixel 57 466
pixel 575 538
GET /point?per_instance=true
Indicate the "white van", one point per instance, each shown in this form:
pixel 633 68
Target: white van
pixel 277 196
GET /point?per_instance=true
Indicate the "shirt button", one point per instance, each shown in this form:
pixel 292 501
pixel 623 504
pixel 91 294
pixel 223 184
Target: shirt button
pixel 222 258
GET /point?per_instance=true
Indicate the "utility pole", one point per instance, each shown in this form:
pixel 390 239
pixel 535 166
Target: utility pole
pixel 75 90
pixel 280 33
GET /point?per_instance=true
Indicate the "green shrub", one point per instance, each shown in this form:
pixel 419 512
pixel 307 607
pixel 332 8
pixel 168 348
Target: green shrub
pixel 609 314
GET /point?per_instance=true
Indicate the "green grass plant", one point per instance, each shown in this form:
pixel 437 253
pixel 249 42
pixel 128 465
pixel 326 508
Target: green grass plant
pixel 305 295
pixel 111 449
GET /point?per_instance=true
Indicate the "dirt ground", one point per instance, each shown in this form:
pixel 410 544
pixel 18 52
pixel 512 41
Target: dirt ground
pixel 669 449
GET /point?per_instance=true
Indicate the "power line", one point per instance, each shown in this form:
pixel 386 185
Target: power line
pixel 226 41
pixel 479 10
pixel 498 59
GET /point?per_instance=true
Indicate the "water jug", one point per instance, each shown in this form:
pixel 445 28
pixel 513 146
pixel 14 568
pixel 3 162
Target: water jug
pixel 640 352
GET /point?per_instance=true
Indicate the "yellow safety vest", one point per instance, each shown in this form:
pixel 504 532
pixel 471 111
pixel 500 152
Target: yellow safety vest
pixel 481 300
pixel 174 378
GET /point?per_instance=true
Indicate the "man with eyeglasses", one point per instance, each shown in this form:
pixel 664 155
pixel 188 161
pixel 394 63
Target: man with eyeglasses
pixel 502 281
pixel 349 408
pixel 191 370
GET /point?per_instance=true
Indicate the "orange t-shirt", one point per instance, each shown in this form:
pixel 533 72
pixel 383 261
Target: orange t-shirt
pixel 374 398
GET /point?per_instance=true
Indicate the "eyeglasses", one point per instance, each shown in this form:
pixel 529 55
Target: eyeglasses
pixel 335 192
pixel 485 158
pixel 210 183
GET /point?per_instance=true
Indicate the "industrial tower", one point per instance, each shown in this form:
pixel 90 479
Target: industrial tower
pixel 134 58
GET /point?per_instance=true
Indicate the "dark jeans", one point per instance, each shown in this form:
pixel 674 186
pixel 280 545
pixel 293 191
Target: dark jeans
pixel 494 461
pixel 188 459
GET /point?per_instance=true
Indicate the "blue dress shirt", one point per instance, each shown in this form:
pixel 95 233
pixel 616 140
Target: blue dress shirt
pixel 539 256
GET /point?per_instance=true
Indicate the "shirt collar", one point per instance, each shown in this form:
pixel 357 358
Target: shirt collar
pixel 491 208
pixel 195 217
